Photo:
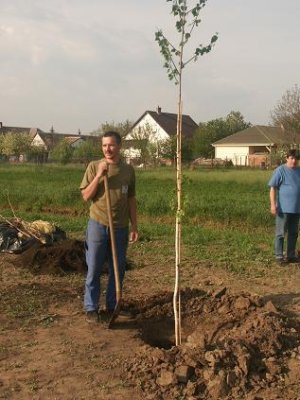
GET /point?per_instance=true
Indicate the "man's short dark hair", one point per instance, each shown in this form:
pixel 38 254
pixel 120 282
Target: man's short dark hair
pixel 114 134
pixel 292 153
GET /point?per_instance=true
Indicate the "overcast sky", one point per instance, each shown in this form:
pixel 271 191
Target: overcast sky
pixel 78 63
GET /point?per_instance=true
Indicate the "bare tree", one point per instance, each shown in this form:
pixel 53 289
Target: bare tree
pixel 145 143
pixel 187 18
pixel 287 111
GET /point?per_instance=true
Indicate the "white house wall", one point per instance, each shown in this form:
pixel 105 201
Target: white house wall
pixel 38 141
pixel 159 134
pixel 237 154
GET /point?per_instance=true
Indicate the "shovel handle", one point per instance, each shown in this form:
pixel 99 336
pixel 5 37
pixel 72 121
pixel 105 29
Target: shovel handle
pixel 112 240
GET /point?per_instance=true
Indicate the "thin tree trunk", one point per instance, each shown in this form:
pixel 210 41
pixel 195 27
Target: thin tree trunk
pixel 186 20
pixel 176 296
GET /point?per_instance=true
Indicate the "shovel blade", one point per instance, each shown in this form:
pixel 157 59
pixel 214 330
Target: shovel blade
pixel 114 315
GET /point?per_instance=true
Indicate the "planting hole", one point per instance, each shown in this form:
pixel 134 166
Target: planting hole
pixel 158 333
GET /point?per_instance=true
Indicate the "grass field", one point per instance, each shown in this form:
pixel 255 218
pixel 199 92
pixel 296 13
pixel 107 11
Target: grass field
pixel 227 220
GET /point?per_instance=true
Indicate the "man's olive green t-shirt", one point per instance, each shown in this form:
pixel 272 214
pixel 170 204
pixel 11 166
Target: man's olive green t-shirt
pixel 121 183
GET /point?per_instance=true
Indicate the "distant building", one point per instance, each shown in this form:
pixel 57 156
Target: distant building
pixel 253 146
pixel 160 126
pixel 48 140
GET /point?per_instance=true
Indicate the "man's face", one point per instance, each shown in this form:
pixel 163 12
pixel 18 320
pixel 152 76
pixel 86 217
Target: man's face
pixel 291 162
pixel 111 149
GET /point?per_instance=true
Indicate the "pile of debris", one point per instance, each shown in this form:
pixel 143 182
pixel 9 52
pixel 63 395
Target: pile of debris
pixel 233 346
pixel 17 235
pixel 42 247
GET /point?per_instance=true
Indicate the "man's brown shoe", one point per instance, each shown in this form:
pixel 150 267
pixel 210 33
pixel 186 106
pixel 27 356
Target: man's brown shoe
pixel 293 260
pixel 92 316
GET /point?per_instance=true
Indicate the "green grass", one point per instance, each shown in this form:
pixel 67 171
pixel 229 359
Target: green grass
pixel 31 188
pixel 226 212
pixel 225 196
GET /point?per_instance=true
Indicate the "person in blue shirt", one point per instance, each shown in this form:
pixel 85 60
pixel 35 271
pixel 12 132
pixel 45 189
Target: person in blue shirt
pixel 285 206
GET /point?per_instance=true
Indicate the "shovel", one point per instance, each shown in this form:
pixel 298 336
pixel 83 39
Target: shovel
pixel 114 255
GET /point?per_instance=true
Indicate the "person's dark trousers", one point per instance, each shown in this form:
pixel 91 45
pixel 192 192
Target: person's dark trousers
pixel 98 250
pixel 289 223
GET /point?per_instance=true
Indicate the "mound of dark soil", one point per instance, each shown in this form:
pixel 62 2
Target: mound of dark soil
pixel 233 346
pixel 59 258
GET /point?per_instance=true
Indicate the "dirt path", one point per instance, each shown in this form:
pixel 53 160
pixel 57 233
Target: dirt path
pixel 49 351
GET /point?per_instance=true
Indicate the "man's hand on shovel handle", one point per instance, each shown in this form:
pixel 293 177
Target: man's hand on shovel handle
pixel 102 169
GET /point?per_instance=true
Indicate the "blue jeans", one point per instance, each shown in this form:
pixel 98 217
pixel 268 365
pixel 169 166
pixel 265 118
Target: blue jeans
pixel 286 223
pixel 97 251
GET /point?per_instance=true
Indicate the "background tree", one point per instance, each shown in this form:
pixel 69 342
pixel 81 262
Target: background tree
pixel 206 134
pixel 121 127
pixel 37 154
pixel 187 18
pixel 1 144
pixel 169 149
pixel 87 152
pixel 16 144
pixel 62 152
pixel 214 130
pixel 287 111
pixel 143 138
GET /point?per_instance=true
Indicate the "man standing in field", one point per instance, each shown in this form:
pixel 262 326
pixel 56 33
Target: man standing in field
pixel 121 179
pixel 285 205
